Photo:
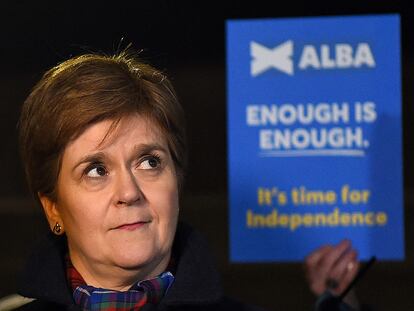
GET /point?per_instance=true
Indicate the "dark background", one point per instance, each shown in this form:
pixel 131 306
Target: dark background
pixel 187 40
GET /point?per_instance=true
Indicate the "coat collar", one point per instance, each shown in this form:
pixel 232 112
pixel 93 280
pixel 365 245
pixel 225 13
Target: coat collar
pixel 44 276
pixel 197 280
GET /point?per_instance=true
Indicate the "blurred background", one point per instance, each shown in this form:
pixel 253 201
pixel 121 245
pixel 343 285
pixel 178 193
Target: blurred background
pixel 187 40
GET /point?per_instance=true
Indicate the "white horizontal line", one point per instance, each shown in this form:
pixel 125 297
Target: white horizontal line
pixel 314 153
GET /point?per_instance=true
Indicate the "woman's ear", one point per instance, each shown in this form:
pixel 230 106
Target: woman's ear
pixel 52 214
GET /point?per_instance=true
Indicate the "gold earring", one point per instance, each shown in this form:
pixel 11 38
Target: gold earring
pixel 57 228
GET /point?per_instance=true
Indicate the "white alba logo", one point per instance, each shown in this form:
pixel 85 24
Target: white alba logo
pixel 337 56
pixel 264 58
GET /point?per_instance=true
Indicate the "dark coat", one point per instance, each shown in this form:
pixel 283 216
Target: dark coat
pixel 196 286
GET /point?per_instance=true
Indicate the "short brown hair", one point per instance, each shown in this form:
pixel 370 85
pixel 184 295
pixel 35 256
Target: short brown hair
pixel 87 89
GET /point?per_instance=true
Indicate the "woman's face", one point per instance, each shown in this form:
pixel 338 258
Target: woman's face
pixel 117 196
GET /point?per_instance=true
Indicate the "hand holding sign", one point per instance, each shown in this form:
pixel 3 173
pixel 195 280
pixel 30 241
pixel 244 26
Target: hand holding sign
pixel 331 268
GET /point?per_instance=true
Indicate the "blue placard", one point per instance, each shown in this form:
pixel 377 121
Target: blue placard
pixel 314 136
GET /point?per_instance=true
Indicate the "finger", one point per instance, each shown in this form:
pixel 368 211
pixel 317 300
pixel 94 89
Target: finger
pixel 343 271
pixel 339 269
pixel 352 270
pixel 312 268
pixel 313 275
pixel 314 258
pixel 329 260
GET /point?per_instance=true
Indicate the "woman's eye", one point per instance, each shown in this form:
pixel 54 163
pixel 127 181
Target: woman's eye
pixel 97 171
pixel 150 163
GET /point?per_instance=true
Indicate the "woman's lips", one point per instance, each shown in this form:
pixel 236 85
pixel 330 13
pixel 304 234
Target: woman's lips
pixel 132 226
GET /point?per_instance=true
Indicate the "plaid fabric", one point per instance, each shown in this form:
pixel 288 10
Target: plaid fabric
pixel 141 293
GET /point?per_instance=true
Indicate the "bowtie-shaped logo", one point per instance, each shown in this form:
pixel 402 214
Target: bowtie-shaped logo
pixel 263 58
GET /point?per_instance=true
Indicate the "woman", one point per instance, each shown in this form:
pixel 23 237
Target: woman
pixel 104 153
pixel 103 148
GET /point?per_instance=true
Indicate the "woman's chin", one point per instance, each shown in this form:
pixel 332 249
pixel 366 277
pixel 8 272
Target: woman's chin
pixel 138 260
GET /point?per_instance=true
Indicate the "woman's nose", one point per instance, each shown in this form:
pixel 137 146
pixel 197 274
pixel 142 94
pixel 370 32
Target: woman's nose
pixel 127 189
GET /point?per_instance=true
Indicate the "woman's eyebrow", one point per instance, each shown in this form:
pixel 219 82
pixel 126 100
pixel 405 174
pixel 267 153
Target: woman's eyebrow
pixel 90 158
pixel 147 148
